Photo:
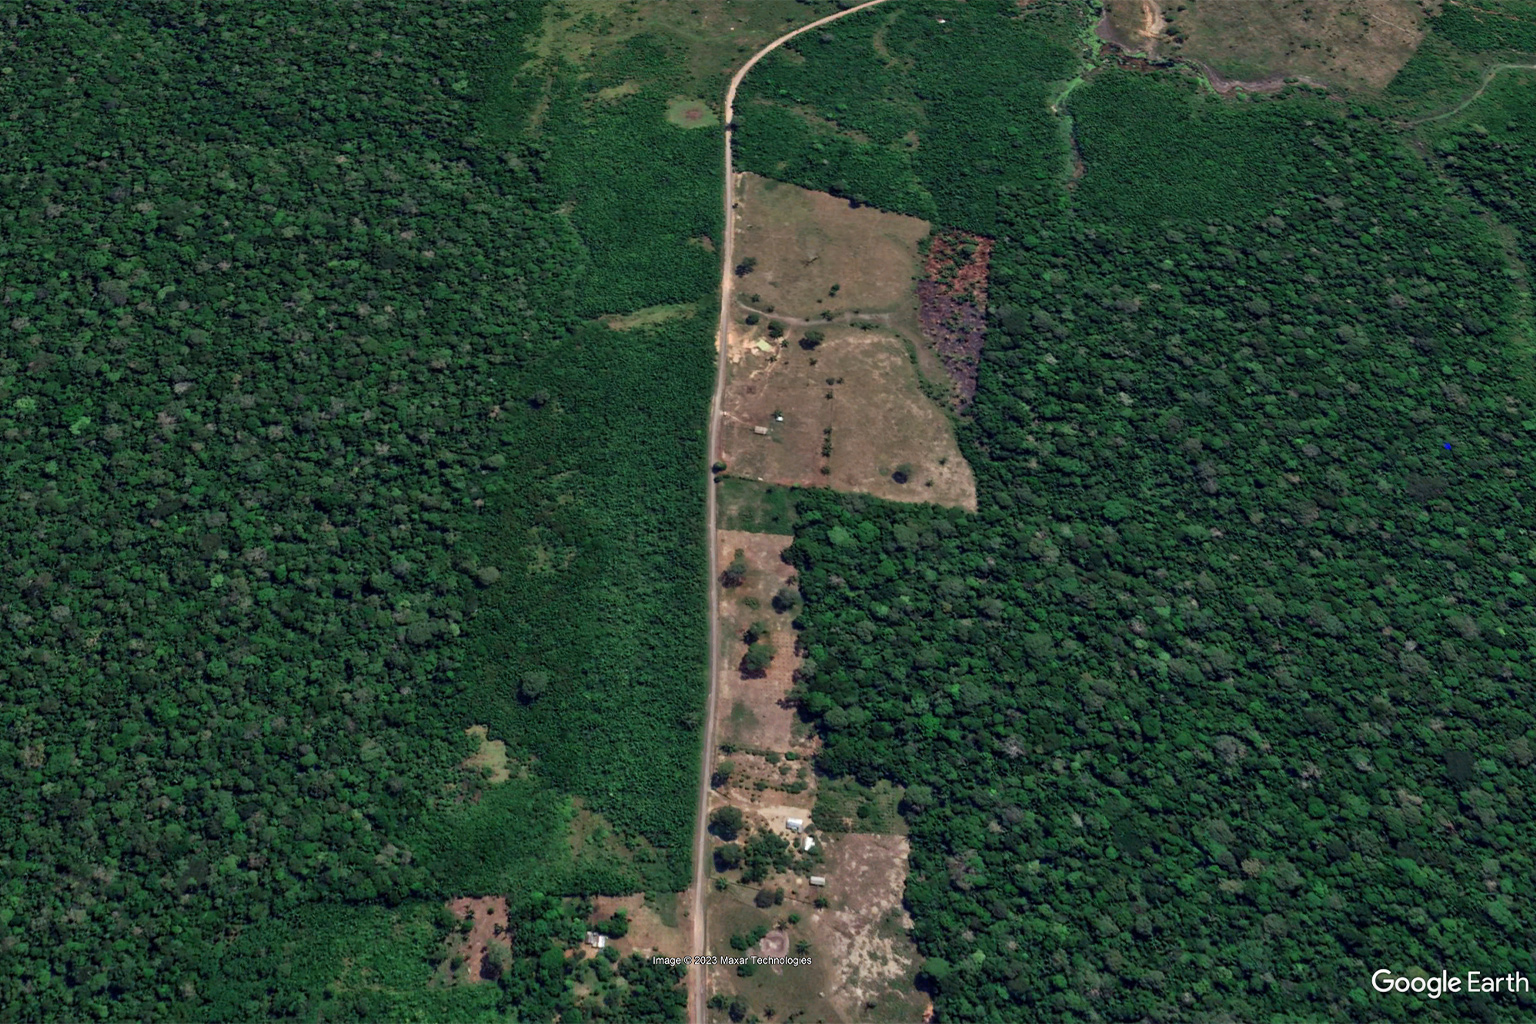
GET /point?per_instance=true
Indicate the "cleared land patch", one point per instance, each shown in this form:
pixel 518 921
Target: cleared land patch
pixel 1346 44
pixel 651 315
pixel 490 758
pixel 717 36
pixel 815 254
pixel 864 961
pixel 850 414
pixel 488 928
pixel 825 385
pixel 765 719
pixel 690 113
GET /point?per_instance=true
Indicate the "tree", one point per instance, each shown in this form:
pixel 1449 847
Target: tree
pixel 726 822
pixel 746 266
pixel 727 857
pixel 786 600
pixel 736 572
pixel 757 659
pixel 775 329
pixel 722 774
pixel 812 339
pixel 533 685
pixel 764 899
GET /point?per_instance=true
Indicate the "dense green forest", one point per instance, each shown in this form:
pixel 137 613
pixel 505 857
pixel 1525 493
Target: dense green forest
pixel 1222 698
pixel 314 459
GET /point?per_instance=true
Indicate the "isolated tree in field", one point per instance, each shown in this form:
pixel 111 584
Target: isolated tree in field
pixel 786 600
pixel 755 632
pixel 811 339
pixel 736 572
pixel 746 266
pixel 775 329
pixel 757 659
pixel 726 822
pixel 723 772
pixel 764 899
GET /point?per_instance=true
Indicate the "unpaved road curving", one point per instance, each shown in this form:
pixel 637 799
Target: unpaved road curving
pixel 697 975
pixel 1464 104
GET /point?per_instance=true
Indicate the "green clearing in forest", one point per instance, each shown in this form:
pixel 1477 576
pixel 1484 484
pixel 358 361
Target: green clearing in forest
pixel 755 507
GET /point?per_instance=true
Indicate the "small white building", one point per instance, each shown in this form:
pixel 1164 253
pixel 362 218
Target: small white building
pixel 596 941
pixel 759 430
pixel 795 824
pixel 807 843
pixel 818 880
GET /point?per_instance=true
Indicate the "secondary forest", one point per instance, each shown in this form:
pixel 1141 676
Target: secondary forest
pixel 315 456
pixel 1223 697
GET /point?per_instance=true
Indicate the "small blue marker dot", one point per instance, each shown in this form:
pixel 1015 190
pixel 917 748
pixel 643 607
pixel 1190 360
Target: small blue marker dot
pixel 1447 446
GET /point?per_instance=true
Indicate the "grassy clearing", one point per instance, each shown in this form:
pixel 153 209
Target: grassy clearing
pixel 690 113
pixel 1345 44
pixel 715 37
pixel 816 254
pixel 754 507
pixel 490 758
pixel 846 805
pixel 652 315
pixel 752 701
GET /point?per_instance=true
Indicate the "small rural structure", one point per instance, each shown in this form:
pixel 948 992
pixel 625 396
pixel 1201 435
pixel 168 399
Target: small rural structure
pixel 759 430
pixel 818 880
pixel 794 824
pixel 807 843
pixel 596 940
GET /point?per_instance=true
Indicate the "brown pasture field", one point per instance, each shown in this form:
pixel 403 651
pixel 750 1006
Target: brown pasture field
pixel 863 960
pixel 768 722
pixel 862 383
pixel 1351 45
pixel 880 419
pixel 805 242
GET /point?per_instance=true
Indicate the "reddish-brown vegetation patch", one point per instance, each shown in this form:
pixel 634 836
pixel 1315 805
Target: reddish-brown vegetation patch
pixel 488 915
pixel 952 300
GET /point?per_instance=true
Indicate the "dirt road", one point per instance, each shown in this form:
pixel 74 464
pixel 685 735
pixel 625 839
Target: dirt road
pixel 697 975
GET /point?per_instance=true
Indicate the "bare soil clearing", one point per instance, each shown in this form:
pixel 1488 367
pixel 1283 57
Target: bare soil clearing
pixel 863 959
pixel 953 305
pixel 1342 44
pixel 489 917
pixel 769 720
pixel 882 426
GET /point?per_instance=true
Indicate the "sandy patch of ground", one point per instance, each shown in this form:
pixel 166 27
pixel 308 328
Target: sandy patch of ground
pixel 489 916
pixel 1134 25
pixel 865 930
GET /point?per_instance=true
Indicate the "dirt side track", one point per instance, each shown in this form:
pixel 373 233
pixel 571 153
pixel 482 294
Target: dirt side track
pixel 696 987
